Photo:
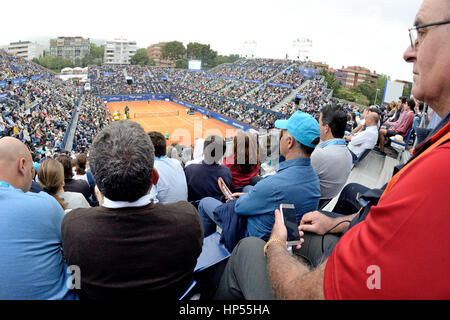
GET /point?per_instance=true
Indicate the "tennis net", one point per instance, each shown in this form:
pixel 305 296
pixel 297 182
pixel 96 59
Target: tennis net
pixel 155 114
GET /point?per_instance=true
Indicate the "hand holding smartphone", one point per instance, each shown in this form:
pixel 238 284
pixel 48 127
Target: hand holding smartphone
pixel 289 216
pixel 223 187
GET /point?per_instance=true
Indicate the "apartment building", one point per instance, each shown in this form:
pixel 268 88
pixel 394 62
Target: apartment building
pixel 70 48
pixel 353 76
pixel 154 52
pixel 119 51
pixel 25 49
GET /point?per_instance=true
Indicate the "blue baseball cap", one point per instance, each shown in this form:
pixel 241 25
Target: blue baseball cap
pixel 302 126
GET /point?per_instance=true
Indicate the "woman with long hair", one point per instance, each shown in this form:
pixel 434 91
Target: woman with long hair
pixel 51 178
pixel 244 163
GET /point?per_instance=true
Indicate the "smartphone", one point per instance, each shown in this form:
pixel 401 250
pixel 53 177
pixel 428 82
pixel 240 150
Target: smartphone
pixel 360 200
pixel 290 221
pixel 223 187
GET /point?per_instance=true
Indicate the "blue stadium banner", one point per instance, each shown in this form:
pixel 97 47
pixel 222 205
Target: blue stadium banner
pixel 141 97
pixel 19 80
pixel 279 85
pixel 248 80
pixel 214 115
pixel 248 106
pixel 227 78
pixel 2 84
pixel 36 77
pixel 308 72
pixel 3 96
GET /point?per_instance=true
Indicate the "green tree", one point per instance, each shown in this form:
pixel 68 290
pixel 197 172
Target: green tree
pixel 352 95
pixel 233 58
pixel 345 94
pixel 56 64
pixel 181 64
pixel 407 90
pixel 94 57
pixel 360 98
pixel 78 62
pixel 380 84
pixel 140 57
pixel 331 81
pixel 97 52
pixel 225 59
pixel 173 50
pixel 368 90
pixel 203 52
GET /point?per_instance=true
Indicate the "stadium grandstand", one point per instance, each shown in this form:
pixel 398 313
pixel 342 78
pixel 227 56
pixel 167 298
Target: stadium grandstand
pixel 177 184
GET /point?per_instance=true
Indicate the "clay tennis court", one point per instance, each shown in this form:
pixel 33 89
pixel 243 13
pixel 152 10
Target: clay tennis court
pixel 161 116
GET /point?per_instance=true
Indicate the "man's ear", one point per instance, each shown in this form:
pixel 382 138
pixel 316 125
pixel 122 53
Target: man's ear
pixel 291 142
pixel 155 177
pixel 21 167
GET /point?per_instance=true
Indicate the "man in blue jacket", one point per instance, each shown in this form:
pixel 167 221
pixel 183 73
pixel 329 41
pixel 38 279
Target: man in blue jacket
pixel 294 183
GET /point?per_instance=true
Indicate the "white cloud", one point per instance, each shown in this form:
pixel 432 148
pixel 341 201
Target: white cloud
pixel 370 33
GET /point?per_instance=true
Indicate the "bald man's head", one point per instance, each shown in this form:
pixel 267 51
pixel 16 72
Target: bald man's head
pixel 372 119
pixel 16 164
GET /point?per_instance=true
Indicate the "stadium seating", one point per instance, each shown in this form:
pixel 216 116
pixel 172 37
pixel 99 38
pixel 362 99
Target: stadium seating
pixel 361 156
pixel 400 146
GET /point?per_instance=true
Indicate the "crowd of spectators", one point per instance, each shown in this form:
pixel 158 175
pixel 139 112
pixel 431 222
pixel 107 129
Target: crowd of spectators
pixel 235 81
pixel 230 108
pixel 267 96
pixel 12 67
pixel 125 80
pixel 43 115
pixel 97 213
pixel 93 116
pixel 291 76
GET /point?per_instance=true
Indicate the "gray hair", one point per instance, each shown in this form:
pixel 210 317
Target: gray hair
pixel 121 159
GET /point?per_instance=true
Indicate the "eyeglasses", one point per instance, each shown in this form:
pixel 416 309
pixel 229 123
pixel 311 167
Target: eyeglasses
pixel 414 34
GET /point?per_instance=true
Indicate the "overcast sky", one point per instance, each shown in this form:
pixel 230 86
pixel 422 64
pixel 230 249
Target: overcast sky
pixel 369 33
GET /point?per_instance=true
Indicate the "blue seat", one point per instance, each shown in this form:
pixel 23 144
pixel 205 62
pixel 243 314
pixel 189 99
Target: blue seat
pixel 193 284
pixel 213 252
pixel 361 156
pixel 400 147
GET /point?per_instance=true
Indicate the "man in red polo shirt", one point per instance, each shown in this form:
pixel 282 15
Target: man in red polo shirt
pixel 401 249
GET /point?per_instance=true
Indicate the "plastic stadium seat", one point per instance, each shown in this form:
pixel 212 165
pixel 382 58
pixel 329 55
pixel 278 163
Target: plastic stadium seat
pixel 401 146
pixel 188 291
pixel 361 156
pixel 213 252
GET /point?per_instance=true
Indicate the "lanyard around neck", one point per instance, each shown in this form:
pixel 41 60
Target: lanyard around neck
pixel 338 142
pixel 6 185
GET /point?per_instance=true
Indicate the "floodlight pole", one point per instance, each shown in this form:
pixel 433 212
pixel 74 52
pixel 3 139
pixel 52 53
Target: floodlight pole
pixel 376 94
pixel 250 47
pixel 304 46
